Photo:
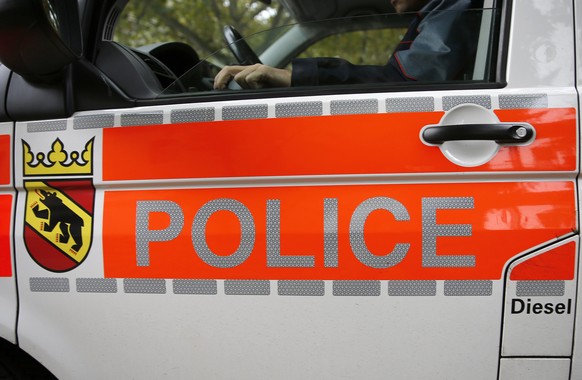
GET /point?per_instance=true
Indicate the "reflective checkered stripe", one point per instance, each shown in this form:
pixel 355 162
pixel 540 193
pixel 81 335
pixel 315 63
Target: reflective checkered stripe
pixel 303 288
pixel 197 114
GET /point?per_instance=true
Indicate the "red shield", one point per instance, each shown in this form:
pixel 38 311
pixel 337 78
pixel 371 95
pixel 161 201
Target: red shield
pixel 58 229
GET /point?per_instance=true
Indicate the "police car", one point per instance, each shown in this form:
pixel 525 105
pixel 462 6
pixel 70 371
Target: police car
pixel 154 227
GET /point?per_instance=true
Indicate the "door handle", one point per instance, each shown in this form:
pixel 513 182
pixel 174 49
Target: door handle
pixel 502 133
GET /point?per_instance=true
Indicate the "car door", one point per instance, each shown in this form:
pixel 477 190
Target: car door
pixel 416 231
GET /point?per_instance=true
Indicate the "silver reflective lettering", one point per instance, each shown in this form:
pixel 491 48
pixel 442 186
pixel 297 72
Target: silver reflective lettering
pixel 431 231
pixel 144 235
pixel 247 226
pixel 274 258
pixel 330 234
pixel 358 242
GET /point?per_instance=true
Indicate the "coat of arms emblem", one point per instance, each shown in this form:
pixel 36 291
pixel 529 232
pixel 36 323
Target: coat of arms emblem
pixel 59 205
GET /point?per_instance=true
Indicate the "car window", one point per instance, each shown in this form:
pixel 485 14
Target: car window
pixel 273 35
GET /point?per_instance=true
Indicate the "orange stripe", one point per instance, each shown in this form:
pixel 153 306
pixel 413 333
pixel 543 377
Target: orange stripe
pixel 557 264
pixel 5 251
pixel 327 145
pixel 4 160
pixel 506 219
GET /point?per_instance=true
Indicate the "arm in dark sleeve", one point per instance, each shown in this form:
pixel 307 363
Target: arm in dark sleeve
pixel 324 71
pixel 445 45
pixel 446 42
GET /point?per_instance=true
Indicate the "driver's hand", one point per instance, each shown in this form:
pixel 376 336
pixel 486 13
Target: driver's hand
pixel 252 77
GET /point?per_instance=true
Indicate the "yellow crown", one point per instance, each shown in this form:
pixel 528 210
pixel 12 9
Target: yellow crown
pixel 58 161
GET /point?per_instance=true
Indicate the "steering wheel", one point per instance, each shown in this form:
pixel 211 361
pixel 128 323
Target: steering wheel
pixel 244 54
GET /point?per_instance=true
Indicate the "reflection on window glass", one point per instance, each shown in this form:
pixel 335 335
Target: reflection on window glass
pixel 199 23
pixel 360 47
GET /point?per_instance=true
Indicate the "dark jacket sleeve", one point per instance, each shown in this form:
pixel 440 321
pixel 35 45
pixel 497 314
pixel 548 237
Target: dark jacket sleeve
pixel 322 71
pixel 444 46
pixel 446 43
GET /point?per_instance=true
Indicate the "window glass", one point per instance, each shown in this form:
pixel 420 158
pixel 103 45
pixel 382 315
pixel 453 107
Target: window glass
pixel 359 47
pixel 198 23
pixel 278 40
